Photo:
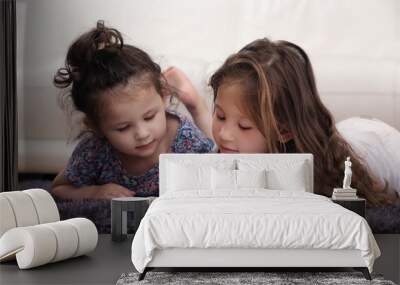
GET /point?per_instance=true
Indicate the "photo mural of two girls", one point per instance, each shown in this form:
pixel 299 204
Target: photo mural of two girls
pixel 265 101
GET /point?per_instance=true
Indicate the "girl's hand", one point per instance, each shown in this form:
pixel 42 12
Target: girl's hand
pixel 183 88
pixel 112 190
pixel 188 95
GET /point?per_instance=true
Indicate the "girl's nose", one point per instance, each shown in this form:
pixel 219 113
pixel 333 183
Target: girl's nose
pixel 141 133
pixel 225 133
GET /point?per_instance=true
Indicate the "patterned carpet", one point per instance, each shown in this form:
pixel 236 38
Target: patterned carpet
pixel 382 220
pixel 243 278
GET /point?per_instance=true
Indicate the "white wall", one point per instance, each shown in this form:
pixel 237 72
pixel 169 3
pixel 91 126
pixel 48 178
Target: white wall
pixel 354 47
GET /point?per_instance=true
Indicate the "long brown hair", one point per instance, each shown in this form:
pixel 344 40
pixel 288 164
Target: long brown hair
pixel 282 96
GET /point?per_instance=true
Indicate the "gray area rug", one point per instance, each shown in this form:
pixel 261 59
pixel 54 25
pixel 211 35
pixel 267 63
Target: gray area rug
pixel 269 278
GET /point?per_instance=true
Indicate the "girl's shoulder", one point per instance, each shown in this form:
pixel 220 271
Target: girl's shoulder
pixel 92 146
pixel 377 143
pixel 87 160
pixel 189 138
pixel 368 132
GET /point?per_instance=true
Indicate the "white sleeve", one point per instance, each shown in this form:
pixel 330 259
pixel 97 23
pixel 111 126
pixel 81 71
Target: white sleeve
pixel 378 144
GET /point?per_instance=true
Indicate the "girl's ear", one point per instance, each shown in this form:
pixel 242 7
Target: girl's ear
pixel 166 99
pixel 285 136
pixel 165 94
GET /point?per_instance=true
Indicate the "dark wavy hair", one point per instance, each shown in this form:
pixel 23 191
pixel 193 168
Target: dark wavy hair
pixel 282 96
pixel 99 61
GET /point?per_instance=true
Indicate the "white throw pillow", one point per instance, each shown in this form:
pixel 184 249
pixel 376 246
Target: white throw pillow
pixel 280 174
pixel 188 177
pixel 251 178
pixel 223 179
pixel 291 178
pixel 229 179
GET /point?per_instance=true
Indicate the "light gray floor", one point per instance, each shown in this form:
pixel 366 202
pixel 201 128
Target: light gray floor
pixel 102 266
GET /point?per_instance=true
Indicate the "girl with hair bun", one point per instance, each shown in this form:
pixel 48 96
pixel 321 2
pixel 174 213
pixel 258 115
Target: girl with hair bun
pixel 123 96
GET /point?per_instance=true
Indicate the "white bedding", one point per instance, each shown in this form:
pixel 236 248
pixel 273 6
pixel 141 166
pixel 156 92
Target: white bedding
pixel 251 218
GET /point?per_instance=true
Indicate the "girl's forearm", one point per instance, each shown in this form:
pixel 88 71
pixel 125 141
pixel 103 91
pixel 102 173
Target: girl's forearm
pixel 189 96
pixel 75 193
pixel 202 117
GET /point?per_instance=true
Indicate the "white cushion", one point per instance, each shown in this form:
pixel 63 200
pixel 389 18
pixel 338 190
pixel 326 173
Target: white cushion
pixel 45 205
pixel 188 177
pixel 32 246
pixel 26 208
pixel 280 174
pixel 23 208
pixel 230 180
pixel 87 233
pixel 251 178
pixel 7 218
pixel 169 179
pixel 291 178
pixel 223 179
pixel 40 244
pixel 67 238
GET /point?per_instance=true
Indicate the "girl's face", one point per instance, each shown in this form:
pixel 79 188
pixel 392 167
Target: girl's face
pixel 133 120
pixel 233 130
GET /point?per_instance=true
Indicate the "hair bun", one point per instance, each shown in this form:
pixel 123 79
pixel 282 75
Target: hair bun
pixel 62 78
pixel 83 53
pixel 104 37
pixel 100 24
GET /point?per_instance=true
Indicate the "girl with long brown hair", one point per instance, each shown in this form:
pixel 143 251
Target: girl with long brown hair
pixel 266 101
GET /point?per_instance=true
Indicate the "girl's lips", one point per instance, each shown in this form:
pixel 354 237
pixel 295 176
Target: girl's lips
pixel 145 146
pixel 227 150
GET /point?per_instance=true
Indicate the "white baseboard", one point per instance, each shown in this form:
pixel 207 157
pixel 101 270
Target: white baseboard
pixel 43 156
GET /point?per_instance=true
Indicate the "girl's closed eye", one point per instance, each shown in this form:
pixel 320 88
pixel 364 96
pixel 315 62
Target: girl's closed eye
pixel 245 127
pixel 122 128
pixel 149 117
pixel 150 114
pixel 220 116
